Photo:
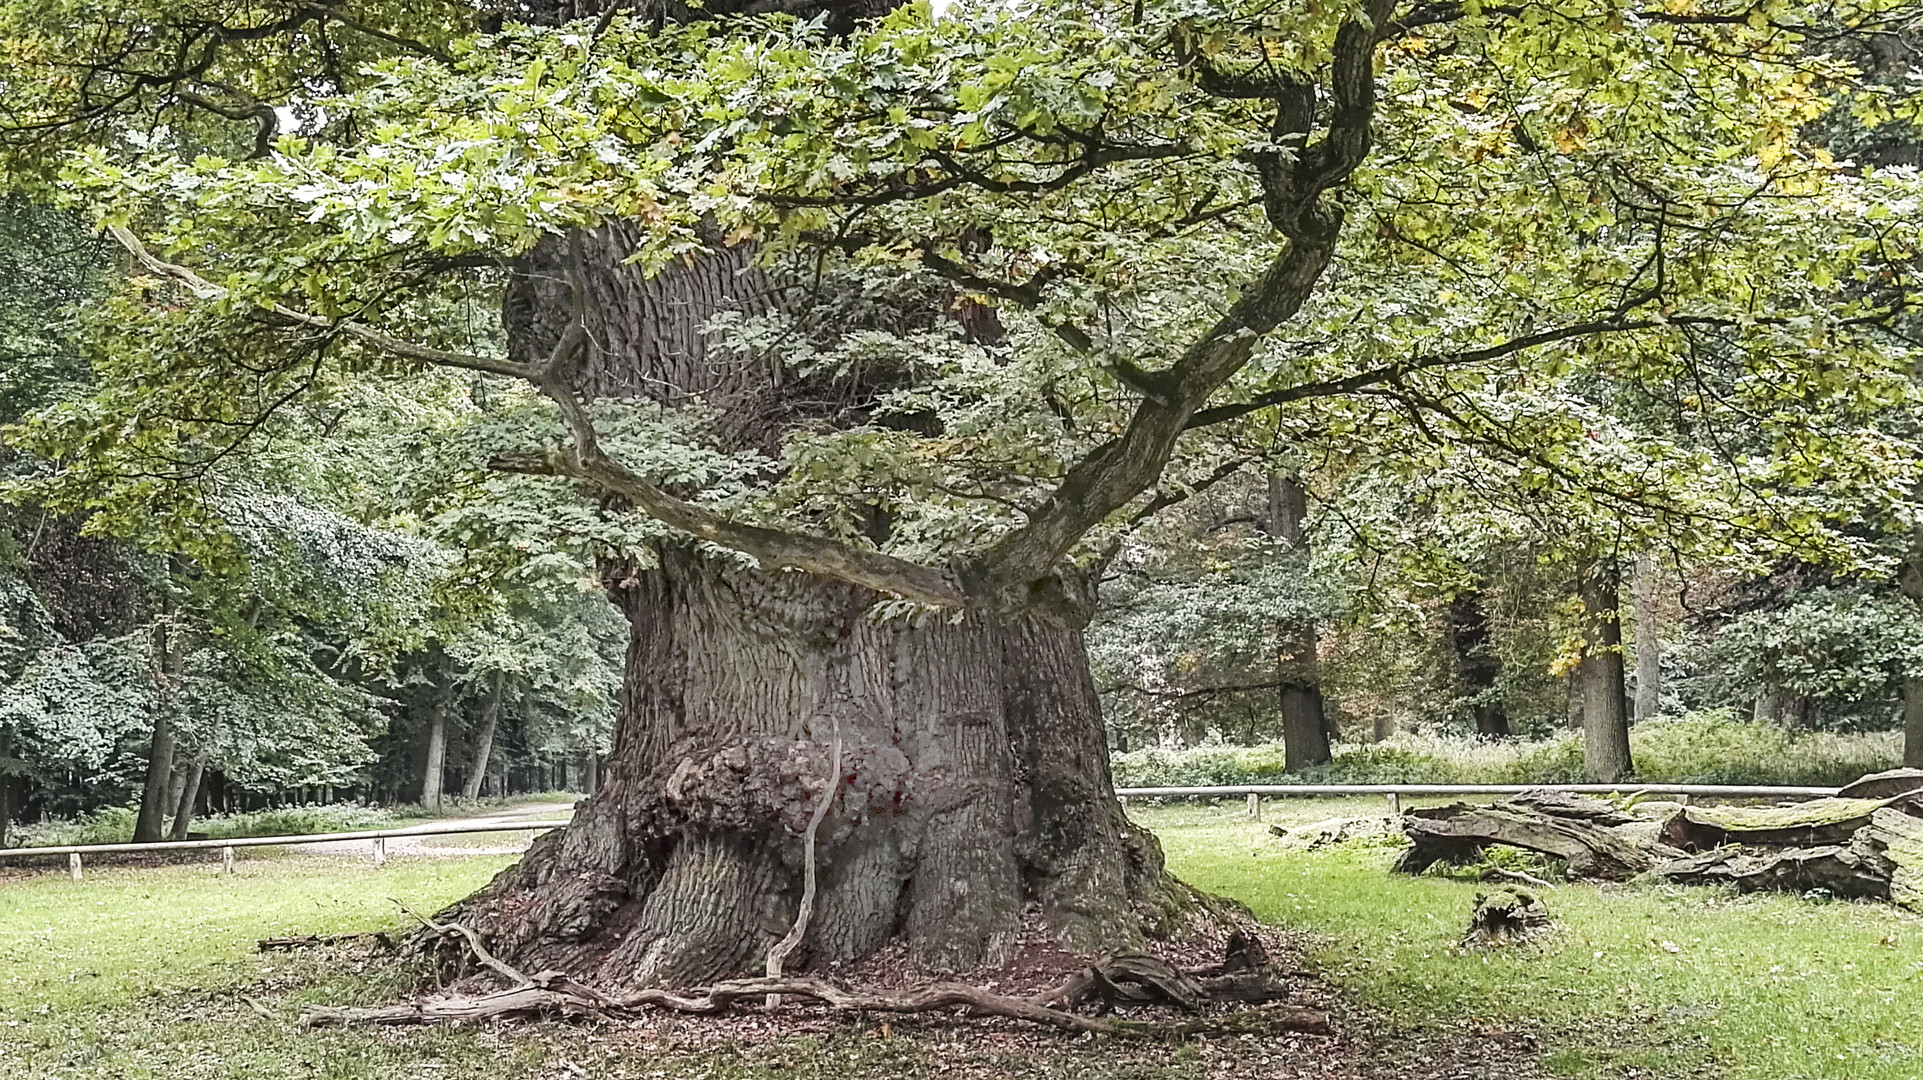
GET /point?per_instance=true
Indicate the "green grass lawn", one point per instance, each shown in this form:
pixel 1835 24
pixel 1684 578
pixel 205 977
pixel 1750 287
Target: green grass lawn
pixel 1663 980
pixel 152 973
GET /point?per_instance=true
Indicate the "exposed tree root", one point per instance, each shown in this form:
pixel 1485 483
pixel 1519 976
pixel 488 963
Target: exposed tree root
pixel 554 993
pixel 1131 978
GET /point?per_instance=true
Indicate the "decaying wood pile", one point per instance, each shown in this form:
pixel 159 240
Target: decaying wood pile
pixel 1867 842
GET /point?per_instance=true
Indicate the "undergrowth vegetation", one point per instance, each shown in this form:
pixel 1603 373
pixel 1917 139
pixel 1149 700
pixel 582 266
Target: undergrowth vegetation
pixel 1699 748
pixel 115 824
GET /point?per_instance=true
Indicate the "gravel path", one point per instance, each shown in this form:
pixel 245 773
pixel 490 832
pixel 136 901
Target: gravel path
pixel 510 841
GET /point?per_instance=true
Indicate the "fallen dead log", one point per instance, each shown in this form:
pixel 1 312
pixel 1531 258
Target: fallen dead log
pixel 1817 823
pixel 1884 785
pixel 1898 836
pixel 1457 834
pixel 552 993
pixel 1852 871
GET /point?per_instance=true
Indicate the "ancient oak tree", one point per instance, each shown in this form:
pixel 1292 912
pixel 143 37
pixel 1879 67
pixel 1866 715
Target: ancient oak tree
pixel 848 341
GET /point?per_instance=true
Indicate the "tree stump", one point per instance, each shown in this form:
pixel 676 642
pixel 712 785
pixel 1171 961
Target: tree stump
pixel 1506 917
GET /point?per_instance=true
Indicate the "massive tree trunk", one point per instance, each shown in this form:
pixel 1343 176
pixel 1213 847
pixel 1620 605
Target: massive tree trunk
pixel 1605 721
pixel 974 786
pixel 1305 722
pixel 484 741
pixel 1478 668
pixel 1649 665
pixel 974 798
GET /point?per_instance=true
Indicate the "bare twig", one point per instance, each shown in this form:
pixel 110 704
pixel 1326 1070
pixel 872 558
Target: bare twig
pixel 779 954
pixel 473 942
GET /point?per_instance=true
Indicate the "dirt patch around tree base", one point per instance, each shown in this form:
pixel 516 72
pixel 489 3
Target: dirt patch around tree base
pixel 806 1039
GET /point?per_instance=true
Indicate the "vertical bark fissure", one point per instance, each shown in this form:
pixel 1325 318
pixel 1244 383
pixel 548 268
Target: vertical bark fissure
pixel 1913 723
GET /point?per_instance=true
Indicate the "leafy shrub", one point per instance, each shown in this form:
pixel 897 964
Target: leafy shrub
pixel 1698 748
pixel 115 825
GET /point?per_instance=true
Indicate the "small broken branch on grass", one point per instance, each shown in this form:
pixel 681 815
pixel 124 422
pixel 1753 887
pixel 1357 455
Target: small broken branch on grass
pixel 779 954
pixel 473 942
pixel 553 992
pixel 1515 875
pixel 382 941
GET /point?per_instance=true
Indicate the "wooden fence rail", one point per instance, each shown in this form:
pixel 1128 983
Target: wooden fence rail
pixel 1254 792
pixel 379 837
pixel 1394 792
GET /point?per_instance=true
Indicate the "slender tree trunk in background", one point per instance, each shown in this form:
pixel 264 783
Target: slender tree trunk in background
pixel 484 742
pixel 152 821
pixel 164 669
pixel 1647 585
pixel 189 795
pixel 1605 720
pixel 1478 668
pixel 590 773
pixel 1909 579
pixel 432 771
pixel 6 786
pixel 1305 722
pixel 1913 723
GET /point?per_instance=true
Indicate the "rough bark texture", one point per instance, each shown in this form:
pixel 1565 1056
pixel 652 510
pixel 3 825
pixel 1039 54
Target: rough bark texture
pixel 1649 649
pixel 1305 722
pixel 1577 831
pixel 974 784
pixel 1884 785
pixel 1819 821
pixel 1505 917
pixel 484 741
pixel 1605 723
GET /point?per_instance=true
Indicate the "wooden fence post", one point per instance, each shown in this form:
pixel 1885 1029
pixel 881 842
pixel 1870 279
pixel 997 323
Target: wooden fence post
pixel 1395 804
pixel 1255 806
pixel 73 864
pixel 227 860
pixel 380 851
